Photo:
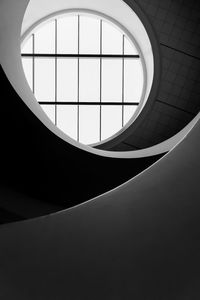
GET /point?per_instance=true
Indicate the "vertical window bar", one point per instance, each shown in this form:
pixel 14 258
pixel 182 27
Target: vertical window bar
pixel 33 63
pixel 101 39
pixel 78 87
pixel 123 40
pixel 56 68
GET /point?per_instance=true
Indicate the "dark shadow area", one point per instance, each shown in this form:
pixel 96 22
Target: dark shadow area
pixel 39 165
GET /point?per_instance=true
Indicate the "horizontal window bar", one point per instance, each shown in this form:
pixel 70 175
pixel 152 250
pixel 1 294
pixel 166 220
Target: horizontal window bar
pixel 87 103
pixel 46 55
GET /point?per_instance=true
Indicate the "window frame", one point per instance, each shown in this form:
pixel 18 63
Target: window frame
pixel 105 17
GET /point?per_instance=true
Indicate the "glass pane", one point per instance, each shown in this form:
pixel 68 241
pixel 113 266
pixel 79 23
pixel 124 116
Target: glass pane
pixel 50 111
pixel 89 80
pixel 45 79
pixel 111 120
pixel 129 48
pixel 28 45
pixel 45 38
pixel 68 35
pixel 89 35
pixel 89 124
pixel 67 80
pixel 128 113
pixel 112 39
pixel 112 80
pixel 28 70
pixel 67 120
pixel 133 80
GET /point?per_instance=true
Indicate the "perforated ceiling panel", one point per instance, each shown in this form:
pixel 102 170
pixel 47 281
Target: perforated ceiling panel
pixel 176 25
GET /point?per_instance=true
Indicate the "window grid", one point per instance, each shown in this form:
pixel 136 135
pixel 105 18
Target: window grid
pixel 103 56
pixel 33 62
pixel 56 69
pixel 78 87
pixel 101 40
pixel 100 56
pixel 123 39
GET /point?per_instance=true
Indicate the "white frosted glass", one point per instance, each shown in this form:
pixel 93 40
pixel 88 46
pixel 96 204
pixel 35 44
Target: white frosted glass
pixel 112 40
pixel 89 35
pixel 49 111
pixel 133 80
pixel 67 35
pixel 129 48
pixel 45 79
pixel 67 120
pixel 67 79
pixel 89 80
pixel 111 120
pixel 89 124
pixel 128 113
pixel 45 38
pixel 28 46
pixel 112 80
pixel 28 70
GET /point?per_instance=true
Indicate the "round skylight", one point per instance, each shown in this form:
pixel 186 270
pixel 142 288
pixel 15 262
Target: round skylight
pixel 87 74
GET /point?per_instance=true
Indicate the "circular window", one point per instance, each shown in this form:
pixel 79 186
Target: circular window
pixel 87 73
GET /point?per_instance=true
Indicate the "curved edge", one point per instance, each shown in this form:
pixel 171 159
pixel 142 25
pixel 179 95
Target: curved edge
pixel 10 56
pixel 113 191
pixel 156 79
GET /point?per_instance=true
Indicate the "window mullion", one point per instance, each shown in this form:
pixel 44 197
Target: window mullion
pixel 56 68
pixel 78 83
pixel 123 39
pixel 101 37
pixel 33 64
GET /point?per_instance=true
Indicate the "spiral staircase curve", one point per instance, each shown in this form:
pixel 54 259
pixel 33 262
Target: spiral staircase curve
pixel 98 227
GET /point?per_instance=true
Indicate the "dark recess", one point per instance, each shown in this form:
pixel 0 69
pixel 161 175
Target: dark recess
pixel 37 164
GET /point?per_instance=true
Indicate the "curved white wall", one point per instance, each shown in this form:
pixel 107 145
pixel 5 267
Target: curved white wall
pixel 12 14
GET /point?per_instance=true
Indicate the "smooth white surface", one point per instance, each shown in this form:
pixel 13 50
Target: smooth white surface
pixel 133 80
pixel 89 124
pixel 44 79
pixel 112 80
pixel 45 38
pixel 89 80
pixel 67 79
pixel 67 43
pixel 112 40
pixel 111 120
pixel 89 35
pixel 67 119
